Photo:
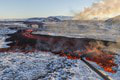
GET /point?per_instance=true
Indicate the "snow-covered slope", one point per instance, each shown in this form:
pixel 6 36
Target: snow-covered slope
pixel 3 32
pixel 113 23
pixel 48 19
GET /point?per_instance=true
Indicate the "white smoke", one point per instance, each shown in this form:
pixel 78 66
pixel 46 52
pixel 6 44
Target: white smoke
pixel 101 10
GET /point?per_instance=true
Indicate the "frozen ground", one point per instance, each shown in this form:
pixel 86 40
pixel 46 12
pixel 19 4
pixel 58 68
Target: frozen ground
pixel 44 66
pixel 3 32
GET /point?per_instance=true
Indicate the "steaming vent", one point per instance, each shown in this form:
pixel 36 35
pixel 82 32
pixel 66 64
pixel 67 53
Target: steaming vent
pixel 101 10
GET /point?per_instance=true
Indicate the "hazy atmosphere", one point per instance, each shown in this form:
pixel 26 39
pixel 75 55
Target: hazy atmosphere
pixel 41 8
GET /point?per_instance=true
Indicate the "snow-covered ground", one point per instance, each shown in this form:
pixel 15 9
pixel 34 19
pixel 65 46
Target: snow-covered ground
pixel 3 32
pixel 43 66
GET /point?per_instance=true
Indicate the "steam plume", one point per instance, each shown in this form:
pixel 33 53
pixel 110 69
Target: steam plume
pixel 101 10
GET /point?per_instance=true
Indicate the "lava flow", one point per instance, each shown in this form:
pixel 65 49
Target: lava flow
pixel 72 48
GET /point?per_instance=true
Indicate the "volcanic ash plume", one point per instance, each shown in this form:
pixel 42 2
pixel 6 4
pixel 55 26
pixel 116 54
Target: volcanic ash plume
pixel 102 10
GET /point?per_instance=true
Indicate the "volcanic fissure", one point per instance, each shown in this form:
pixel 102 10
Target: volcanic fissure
pixel 72 48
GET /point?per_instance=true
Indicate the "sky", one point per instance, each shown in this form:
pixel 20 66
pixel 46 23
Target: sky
pixel 42 8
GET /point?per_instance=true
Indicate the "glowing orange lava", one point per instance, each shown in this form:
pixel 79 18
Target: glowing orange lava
pixel 102 58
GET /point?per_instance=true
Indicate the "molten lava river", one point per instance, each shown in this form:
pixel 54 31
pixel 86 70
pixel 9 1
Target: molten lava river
pixel 72 48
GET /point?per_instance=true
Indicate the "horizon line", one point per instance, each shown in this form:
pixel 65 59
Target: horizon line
pixel 31 17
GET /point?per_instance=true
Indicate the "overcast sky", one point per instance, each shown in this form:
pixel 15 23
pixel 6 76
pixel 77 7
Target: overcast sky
pixel 41 8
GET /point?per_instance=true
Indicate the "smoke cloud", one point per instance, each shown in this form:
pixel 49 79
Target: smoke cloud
pixel 101 10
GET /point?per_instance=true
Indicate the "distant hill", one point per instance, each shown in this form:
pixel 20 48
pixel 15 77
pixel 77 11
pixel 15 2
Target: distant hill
pixel 115 19
pixel 113 23
pixel 42 19
pixel 50 19
pixel 64 17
